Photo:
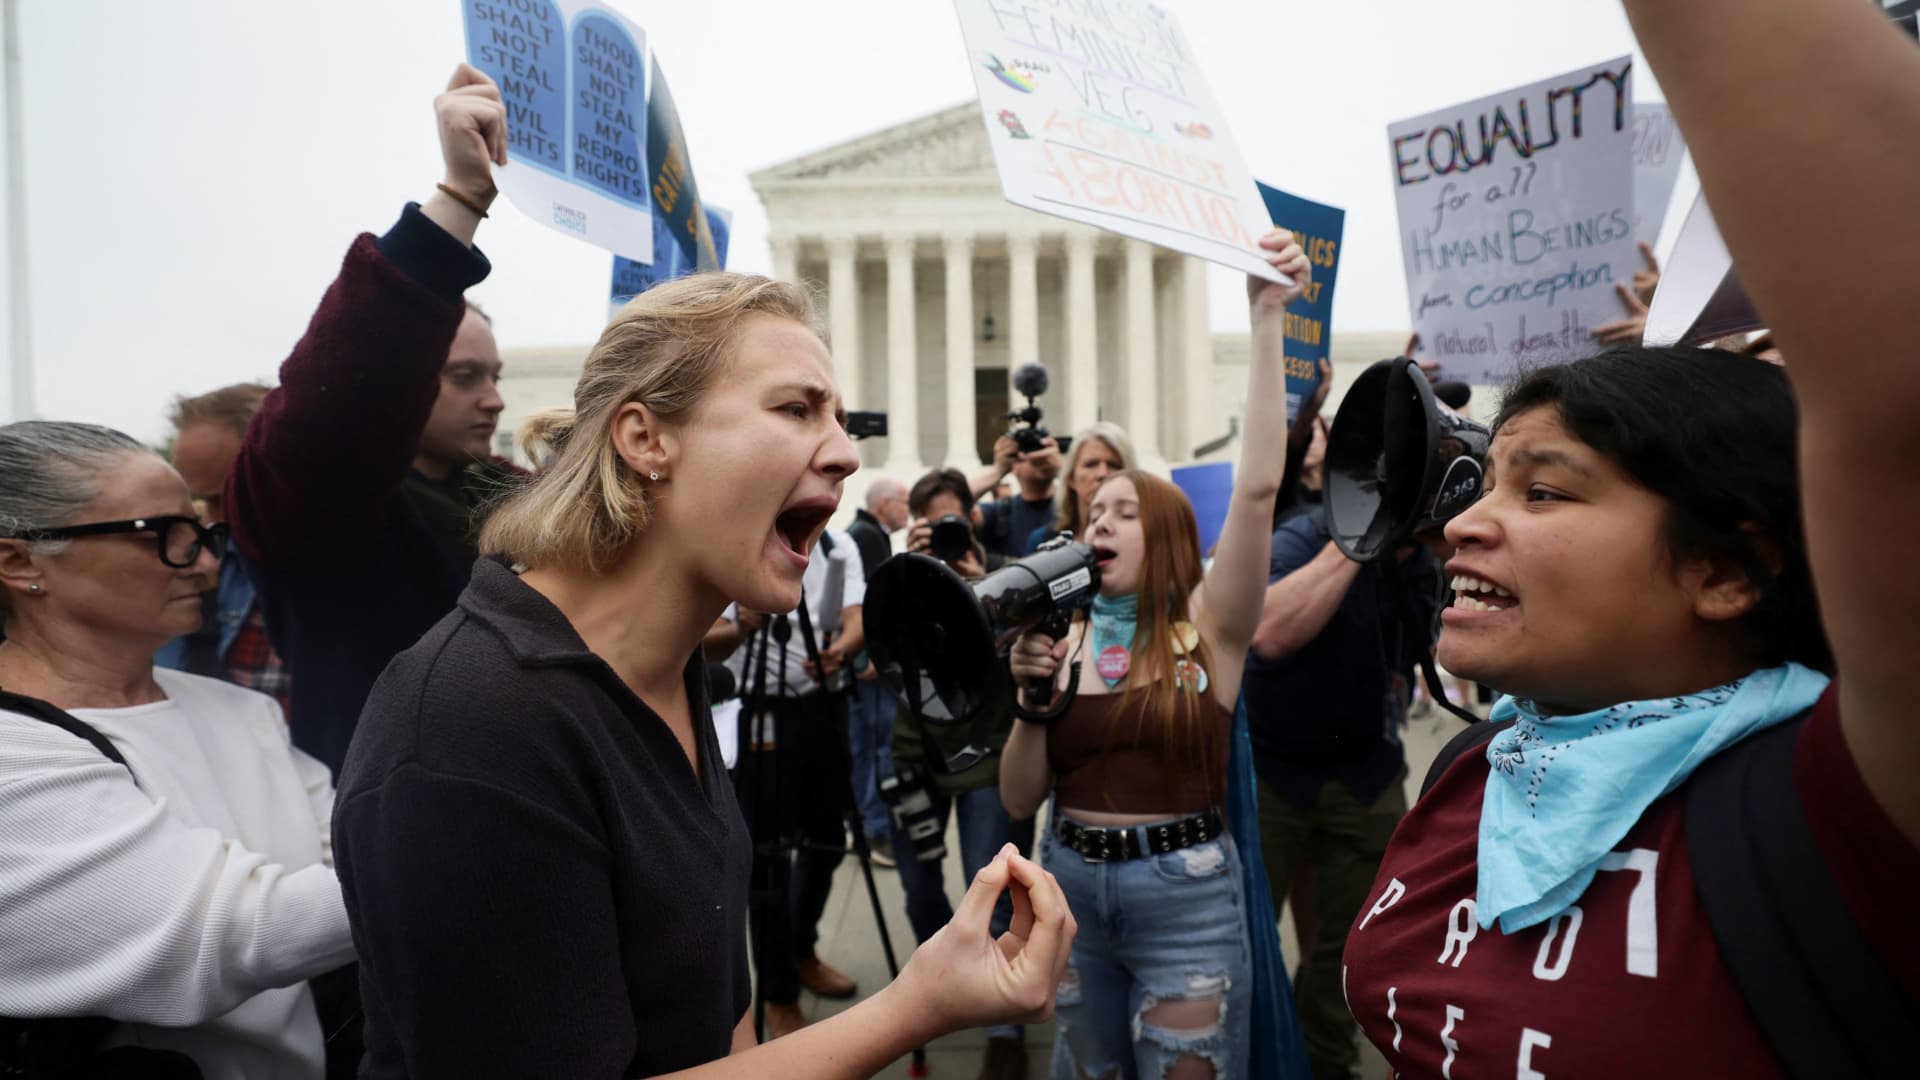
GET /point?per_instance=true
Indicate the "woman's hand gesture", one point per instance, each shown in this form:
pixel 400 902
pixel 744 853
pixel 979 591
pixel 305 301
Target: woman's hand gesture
pixel 966 978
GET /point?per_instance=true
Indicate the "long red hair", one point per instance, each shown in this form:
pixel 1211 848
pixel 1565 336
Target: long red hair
pixel 1169 573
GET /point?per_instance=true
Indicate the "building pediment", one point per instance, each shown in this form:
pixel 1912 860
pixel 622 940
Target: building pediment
pixel 950 144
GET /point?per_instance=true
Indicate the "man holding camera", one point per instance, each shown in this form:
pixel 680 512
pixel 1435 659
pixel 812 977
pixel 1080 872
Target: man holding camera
pixel 1006 525
pixel 924 795
pixel 870 713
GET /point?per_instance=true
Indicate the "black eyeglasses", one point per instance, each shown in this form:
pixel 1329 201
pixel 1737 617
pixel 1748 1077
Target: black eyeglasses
pixel 179 539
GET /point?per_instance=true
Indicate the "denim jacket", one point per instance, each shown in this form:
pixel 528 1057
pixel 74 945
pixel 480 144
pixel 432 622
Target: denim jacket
pixel 234 601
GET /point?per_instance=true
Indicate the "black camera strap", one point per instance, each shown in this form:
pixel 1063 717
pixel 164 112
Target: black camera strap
pixel 1397 585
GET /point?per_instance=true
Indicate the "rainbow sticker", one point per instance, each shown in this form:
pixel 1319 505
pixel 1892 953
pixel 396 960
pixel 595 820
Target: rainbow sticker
pixel 1012 77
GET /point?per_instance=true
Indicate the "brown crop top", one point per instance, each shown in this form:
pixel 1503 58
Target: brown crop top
pixel 1130 777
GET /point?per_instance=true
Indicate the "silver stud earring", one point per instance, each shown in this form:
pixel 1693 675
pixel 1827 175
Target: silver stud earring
pixel 653 476
pixel 35 588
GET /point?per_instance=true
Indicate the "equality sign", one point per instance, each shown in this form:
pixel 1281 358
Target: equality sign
pixel 1516 220
pixel 572 76
pixel 1657 152
pixel 1098 113
pixel 1309 320
pixel 687 234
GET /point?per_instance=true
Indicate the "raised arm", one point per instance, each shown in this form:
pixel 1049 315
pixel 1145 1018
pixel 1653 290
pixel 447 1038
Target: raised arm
pixel 1228 607
pixel 341 430
pixel 1814 184
pixel 116 908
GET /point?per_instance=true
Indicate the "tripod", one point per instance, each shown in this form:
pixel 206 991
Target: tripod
pixel 778 836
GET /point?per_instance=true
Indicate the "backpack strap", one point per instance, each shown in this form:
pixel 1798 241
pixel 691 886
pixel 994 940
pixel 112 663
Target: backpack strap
pixel 60 718
pixel 1825 1002
pixel 1467 740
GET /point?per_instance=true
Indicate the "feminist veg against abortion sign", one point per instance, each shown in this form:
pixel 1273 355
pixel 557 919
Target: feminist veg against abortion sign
pixel 1098 113
pixel 573 78
pixel 1516 220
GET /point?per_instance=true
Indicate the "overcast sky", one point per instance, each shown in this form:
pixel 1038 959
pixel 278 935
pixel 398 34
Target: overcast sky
pixel 196 169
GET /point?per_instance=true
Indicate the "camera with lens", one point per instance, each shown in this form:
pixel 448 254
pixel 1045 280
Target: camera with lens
pixel 950 539
pixel 1030 380
pixel 912 809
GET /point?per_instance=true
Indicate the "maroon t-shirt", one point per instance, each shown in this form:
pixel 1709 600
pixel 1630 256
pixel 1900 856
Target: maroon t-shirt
pixel 1628 981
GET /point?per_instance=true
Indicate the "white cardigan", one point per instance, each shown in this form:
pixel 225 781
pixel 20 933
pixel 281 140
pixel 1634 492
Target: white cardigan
pixel 193 906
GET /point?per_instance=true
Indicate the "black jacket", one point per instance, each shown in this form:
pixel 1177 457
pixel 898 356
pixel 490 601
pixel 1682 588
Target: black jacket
pixel 539 882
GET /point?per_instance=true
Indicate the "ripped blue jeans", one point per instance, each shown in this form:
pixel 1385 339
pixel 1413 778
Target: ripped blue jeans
pixel 1161 969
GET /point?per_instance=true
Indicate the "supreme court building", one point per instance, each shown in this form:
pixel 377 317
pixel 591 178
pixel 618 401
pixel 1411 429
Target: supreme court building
pixel 935 288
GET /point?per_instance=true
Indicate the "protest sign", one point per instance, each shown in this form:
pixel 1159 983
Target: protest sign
pixel 1516 220
pixel 688 235
pixel 1700 298
pixel 572 77
pixel 1099 113
pixel 1309 322
pixel 1657 152
pixel 630 278
pixel 1209 488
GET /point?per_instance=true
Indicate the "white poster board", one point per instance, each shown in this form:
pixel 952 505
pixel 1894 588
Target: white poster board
pixel 1099 113
pixel 1658 150
pixel 1700 298
pixel 1516 220
pixel 573 77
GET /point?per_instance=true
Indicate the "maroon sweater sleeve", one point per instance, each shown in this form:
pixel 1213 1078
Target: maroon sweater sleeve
pixel 340 432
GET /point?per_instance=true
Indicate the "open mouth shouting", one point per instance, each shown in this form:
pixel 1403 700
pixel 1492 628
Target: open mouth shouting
pixel 1104 555
pixel 1477 594
pixel 799 525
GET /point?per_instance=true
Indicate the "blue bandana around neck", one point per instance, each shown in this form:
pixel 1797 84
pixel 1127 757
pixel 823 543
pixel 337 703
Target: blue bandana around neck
pixel 1565 789
pixel 1113 624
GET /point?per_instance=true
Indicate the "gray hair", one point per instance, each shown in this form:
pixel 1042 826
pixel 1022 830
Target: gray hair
pixel 882 489
pixel 52 471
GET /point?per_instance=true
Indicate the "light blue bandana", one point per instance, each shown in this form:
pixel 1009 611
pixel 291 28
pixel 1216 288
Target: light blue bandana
pixel 1113 624
pixel 1565 789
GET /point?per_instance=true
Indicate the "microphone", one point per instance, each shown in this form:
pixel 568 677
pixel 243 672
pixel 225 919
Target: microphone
pixel 1030 379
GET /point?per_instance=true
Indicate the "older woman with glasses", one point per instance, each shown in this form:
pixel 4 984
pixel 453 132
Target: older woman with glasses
pixel 164 857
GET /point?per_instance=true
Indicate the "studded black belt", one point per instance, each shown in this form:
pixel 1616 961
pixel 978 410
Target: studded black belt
pixel 1114 844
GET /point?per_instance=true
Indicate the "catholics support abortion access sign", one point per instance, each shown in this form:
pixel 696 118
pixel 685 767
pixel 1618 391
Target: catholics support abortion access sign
pixel 1517 220
pixel 1309 322
pixel 573 77
pixel 1099 113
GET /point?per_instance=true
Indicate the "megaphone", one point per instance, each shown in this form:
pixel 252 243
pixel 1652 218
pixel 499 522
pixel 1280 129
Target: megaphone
pixel 940 640
pixel 1397 463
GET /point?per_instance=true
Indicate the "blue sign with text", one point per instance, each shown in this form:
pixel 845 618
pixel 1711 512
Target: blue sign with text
pixel 1309 331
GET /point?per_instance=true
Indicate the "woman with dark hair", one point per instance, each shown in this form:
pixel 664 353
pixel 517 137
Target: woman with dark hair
pixel 1683 845
pixel 1159 983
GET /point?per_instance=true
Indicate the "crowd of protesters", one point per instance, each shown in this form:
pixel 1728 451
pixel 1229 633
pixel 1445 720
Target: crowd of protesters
pixel 332 744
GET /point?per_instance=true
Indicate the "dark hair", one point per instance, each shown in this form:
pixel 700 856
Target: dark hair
pixel 1712 433
pixel 949 481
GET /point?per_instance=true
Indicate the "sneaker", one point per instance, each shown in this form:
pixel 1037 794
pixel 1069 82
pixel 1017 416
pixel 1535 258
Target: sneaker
pixel 880 852
pixel 1005 1059
pixel 821 978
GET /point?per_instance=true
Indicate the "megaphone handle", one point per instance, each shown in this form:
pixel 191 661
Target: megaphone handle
pixel 1040 688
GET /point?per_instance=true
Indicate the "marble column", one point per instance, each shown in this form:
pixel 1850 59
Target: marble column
pixel 786 258
pixel 962 451
pixel 903 424
pixel 1083 357
pixel 1023 298
pixel 843 314
pixel 1204 423
pixel 1143 412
